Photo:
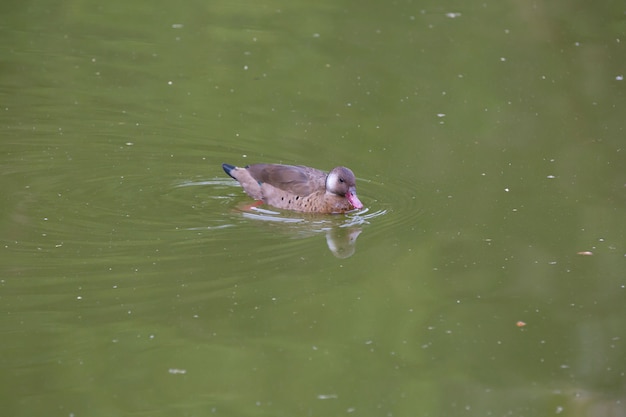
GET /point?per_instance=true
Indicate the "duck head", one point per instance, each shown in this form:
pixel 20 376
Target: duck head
pixel 342 182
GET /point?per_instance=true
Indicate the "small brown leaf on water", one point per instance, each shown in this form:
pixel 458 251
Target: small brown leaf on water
pixel 520 324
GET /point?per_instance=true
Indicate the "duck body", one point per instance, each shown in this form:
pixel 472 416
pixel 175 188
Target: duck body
pixel 298 188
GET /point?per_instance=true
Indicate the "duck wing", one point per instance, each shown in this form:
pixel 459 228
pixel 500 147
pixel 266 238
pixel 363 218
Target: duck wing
pixel 298 180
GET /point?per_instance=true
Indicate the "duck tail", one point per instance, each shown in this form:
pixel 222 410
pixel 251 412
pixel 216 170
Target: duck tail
pixel 227 168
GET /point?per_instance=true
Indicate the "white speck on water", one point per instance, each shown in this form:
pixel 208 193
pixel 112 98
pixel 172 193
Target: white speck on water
pixel 175 371
pixel 316 35
pixel 506 189
pixel 177 26
pixel 79 298
pixel 502 59
pixel 551 176
pixel 453 15
pixel 619 78
pixel 170 82
pixel 441 115
pixel 327 396
pixel 559 409
pixel 245 68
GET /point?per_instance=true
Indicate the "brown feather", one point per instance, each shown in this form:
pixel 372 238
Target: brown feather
pixel 297 187
pixel 298 180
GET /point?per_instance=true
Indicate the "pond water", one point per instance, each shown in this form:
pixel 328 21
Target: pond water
pixel 485 276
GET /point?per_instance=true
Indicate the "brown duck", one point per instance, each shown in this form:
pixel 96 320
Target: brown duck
pixel 298 187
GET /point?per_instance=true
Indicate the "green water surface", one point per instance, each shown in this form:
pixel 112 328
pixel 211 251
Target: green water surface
pixel 486 275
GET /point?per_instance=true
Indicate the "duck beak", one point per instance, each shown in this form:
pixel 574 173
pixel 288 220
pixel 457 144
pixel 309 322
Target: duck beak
pixel 353 199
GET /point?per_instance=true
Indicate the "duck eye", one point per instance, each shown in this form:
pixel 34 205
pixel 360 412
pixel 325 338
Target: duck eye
pixel 341 180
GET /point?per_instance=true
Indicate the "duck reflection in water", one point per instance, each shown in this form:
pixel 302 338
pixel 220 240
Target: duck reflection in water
pixel 340 238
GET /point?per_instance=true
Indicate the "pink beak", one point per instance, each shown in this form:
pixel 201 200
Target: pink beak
pixel 353 199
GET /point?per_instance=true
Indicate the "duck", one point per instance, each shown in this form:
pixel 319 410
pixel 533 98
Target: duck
pixel 299 188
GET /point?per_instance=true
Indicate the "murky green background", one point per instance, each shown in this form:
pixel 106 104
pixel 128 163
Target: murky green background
pixel 489 143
